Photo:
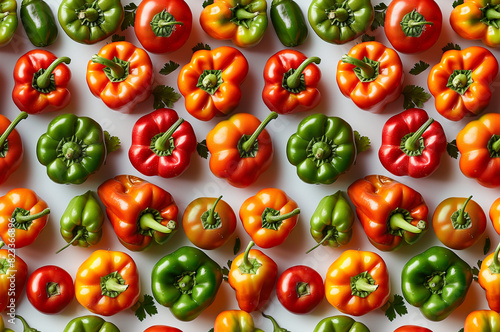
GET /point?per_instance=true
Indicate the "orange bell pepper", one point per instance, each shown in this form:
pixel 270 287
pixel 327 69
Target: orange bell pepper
pixel 494 214
pixel 121 74
pixel 371 74
pixel 107 282
pixel 482 321
pixel 269 216
pixel 489 279
pixel 234 320
pixel 460 83
pixel 210 83
pixel 357 282
pixel 13 277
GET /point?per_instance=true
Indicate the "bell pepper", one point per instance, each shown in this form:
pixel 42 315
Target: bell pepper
pixel 252 275
pixel 211 81
pixel 340 21
pixel 482 321
pixel 41 81
pixel 162 144
pixel 161 328
pixel 82 221
pixel 436 281
pixel 107 282
pixel 291 81
pixel 322 149
pixel 13 277
pixel 11 146
pixel 38 22
pixel 233 321
pixel 269 216
pixel 412 144
pixel 240 149
pixel 371 75
pixel 460 82
pixel 412 328
pixel 340 323
pixel 332 221
pixel 288 22
pixel 121 75
pixel 90 21
pixel 141 213
pixel 73 148
pixel 186 281
pixel 8 21
pixel 494 214
pixel 242 21
pixel 477 20
pixel 478 143
pixel 23 215
pixel 391 213
pixel 90 323
pixel 489 279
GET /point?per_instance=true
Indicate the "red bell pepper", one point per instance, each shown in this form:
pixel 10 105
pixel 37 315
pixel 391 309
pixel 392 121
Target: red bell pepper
pixel 11 146
pixel 291 81
pixel 162 144
pixel 41 81
pixel 412 144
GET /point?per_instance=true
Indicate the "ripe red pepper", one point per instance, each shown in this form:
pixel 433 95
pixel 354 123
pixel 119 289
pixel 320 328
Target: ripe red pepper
pixel 412 144
pixel 41 81
pixel 412 328
pixel 11 146
pixel 162 144
pixel 161 328
pixel 291 81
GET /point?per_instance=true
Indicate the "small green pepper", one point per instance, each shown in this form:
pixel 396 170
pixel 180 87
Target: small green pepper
pixel 340 323
pixel 288 22
pixel 90 323
pixel 8 21
pixel 39 22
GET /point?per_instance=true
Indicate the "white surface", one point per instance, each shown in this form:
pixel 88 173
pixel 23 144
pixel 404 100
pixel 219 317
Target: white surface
pixel 198 181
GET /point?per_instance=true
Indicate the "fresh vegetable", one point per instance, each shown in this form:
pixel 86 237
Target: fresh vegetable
pixel 494 214
pixel 90 21
pixel 209 222
pixel 242 21
pixel 240 149
pixel 233 321
pixel 13 276
pixel 371 75
pixel 90 323
pixel 107 282
pixel 162 144
pixel 288 22
pixel 460 82
pixel 162 328
pixel 73 148
pixel 26 327
pixel 8 21
pixel 482 321
pixel 50 289
pixel 211 81
pixel 391 213
pixel 413 26
pixel 41 81
pixel 436 281
pixel 459 222
pixel 23 215
pixel 300 289
pixel 38 22
pixel 291 82
pixel 163 26
pixel 82 221
pixel 412 144
pixel 340 21
pixel 141 212
pixel 186 281
pixel 276 327
pixel 489 279
pixel 340 323
pixel 11 146
pixel 412 328
pixel 253 276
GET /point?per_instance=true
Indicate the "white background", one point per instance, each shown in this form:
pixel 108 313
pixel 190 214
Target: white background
pixel 198 180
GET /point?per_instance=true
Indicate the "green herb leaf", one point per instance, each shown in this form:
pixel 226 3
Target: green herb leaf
pixel 211 330
pixel 397 305
pixel 237 245
pixel 362 142
pixel 146 306
pixel 201 148
pixel 367 38
pixel 207 3
pixel 379 18
pixel 414 96
pixel 461 330
pixel 129 18
pixel 457 3
pixel 476 269
pixel 169 67
pixel 452 149
pixel 201 46
pixel 112 142
pixel 419 67
pixel 487 245
pixel 117 38
pixel 164 96
pixel 451 46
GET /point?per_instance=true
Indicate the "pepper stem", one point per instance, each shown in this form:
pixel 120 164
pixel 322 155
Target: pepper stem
pixel 293 81
pixel 53 289
pixel 411 143
pixel 165 23
pixel 280 217
pixel 367 70
pixel 243 14
pixel 186 283
pixel 495 146
pixel 459 81
pixel 414 23
pixel 148 221
pixel 30 217
pixel 10 128
pixel 328 235
pixel 398 221
pixel 117 70
pixel 362 284
pixel 246 264
pixel 43 81
pixel 210 219
pixel 276 327
pixel 303 289
pixel 26 327
pixel 248 144
pixel 494 267
pixel 436 283
pixel 461 218
pixel 89 14
pixel 341 14
pixel 112 284
pixel 78 235
pixel 492 14
pixel 161 142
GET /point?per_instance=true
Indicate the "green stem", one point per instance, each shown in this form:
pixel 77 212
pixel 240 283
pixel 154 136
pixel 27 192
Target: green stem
pixel 10 128
pixel 341 14
pixel 397 221
pixel 112 284
pixel 460 81
pixel 495 146
pixel 30 217
pixel 411 143
pixel 276 327
pixel 43 81
pixel 210 219
pixel 77 236
pixel 328 235
pixel 367 70
pixel 492 14
pixel 186 283
pixel 117 71
pixel 460 219
pixel 303 289
pixel 26 327
pixel 494 267
pixel 293 81
pixel 148 221
pixel 165 23
pixel 362 284
pixel 90 14
pixel 246 264
pixel 248 144
pixel 161 142
pixel 53 289
pixel 272 219
pixel 413 23
pixel 243 14
pixel 436 283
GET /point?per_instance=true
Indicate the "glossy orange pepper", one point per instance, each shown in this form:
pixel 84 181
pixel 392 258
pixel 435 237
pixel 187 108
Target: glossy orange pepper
pixel 479 146
pixel 489 279
pixel 371 74
pixel 107 282
pixel 13 269
pixel 357 282
pixel 494 214
pixel 269 216
pixel 253 276
pixel 482 321
pixel 121 74
pixel 210 83
pixel 233 321
pixel 460 83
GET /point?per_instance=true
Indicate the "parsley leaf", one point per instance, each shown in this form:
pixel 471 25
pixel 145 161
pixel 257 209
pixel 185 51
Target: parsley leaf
pixel 201 46
pixel 457 3
pixel 419 67
pixel 362 142
pixel 452 149
pixel 237 245
pixel 379 18
pixel 451 46
pixel 147 305
pixel 117 38
pixel 129 18
pixel 164 96
pixel 414 96
pixel 487 245
pixel 169 67
pixel 476 269
pixel 367 38
pixel 201 148
pixel 112 142
pixel 397 305
pixel 207 3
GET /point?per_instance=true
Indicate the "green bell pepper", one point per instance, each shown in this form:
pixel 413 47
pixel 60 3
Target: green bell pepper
pixel 340 323
pixel 8 21
pixel 39 22
pixel 340 21
pixel 90 21
pixel 81 222
pixel 73 148
pixel 332 221
pixel 437 281
pixel 186 281
pixel 288 22
pixel 323 148
pixel 90 323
